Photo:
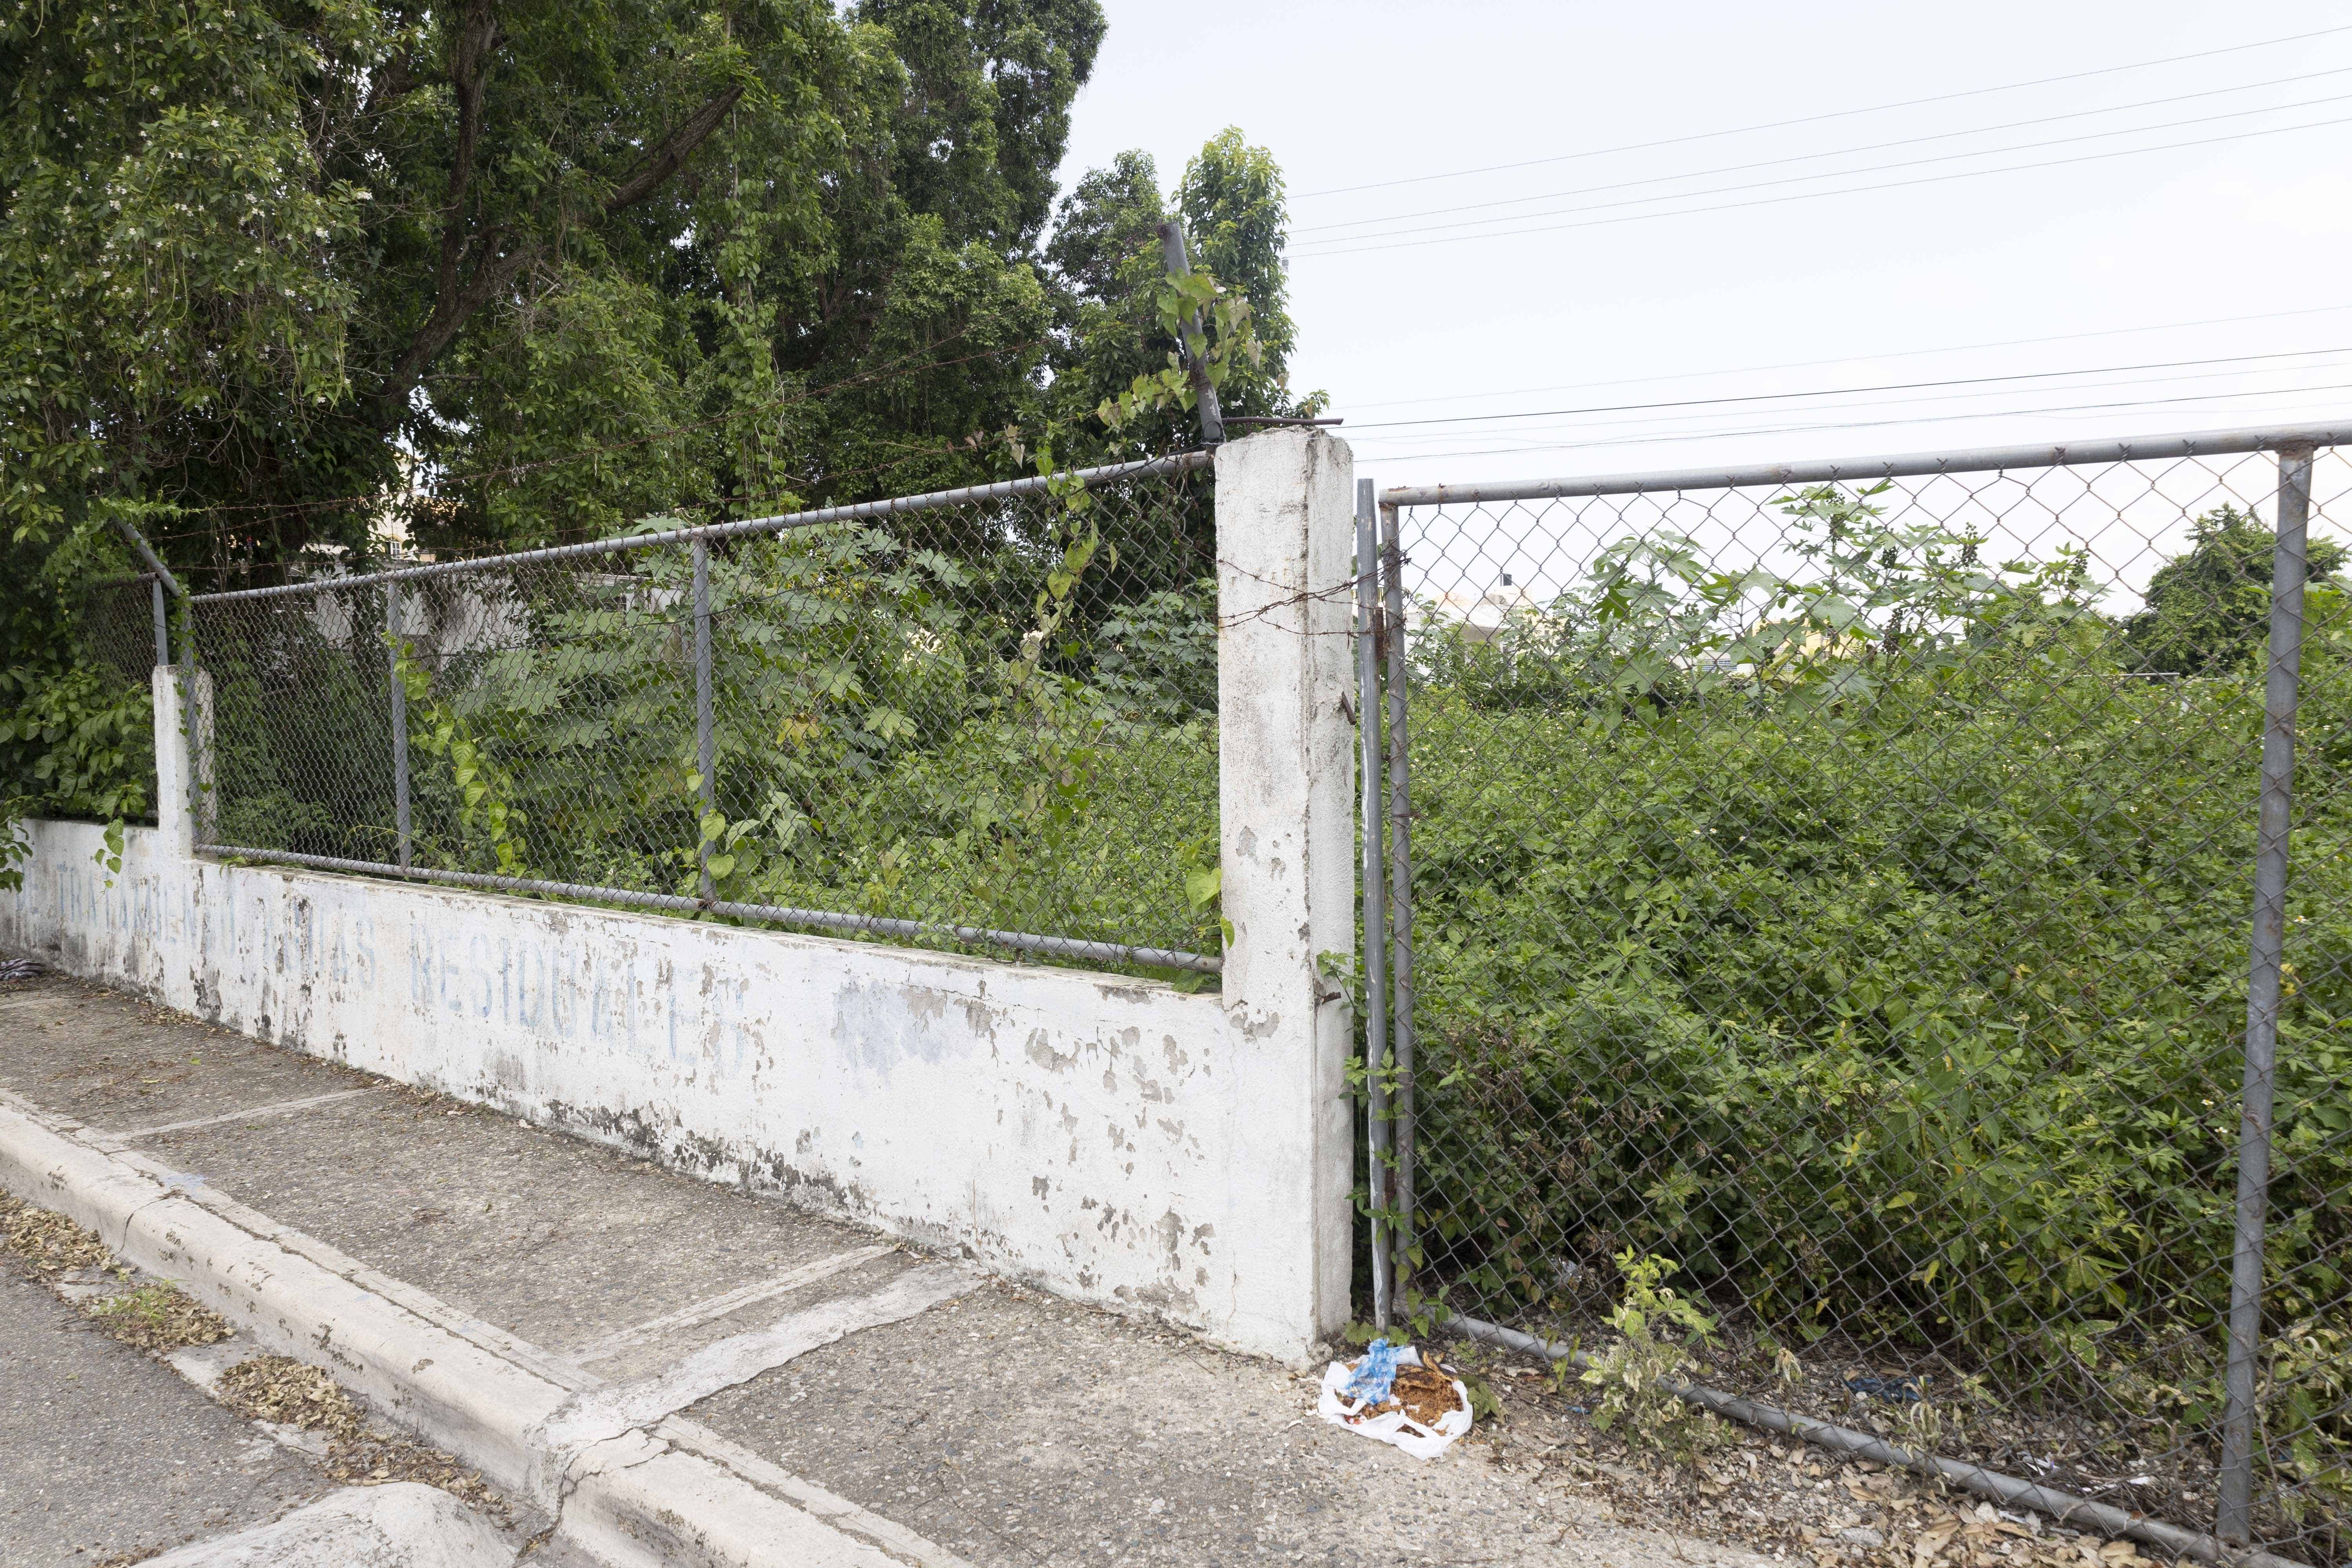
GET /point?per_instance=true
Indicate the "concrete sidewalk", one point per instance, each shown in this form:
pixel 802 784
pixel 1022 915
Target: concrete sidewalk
pixel 907 1409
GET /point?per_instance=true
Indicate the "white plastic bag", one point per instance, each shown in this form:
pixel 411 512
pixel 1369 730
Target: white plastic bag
pixel 1395 1428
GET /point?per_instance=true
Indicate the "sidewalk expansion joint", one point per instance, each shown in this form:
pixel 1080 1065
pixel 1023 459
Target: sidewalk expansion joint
pixel 719 1306
pixel 249 1113
pixel 642 1484
pixel 594 1416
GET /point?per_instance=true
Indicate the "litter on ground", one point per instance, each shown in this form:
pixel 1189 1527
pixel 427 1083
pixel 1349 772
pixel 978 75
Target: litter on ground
pixel 1414 1407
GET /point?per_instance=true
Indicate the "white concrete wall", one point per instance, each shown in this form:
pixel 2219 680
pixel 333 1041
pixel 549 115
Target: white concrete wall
pixel 1113 1140
pixel 1108 1139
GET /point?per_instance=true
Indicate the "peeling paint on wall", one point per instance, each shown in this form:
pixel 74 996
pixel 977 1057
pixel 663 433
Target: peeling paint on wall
pixel 949 1099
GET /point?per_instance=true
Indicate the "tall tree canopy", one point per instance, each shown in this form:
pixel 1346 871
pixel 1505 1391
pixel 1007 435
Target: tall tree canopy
pixel 1105 261
pixel 275 274
pixel 265 261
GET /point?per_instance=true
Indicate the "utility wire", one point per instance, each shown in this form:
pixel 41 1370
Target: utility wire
pixel 1695 422
pixel 1857 425
pixel 1853 152
pixel 1853 358
pixel 1390 244
pixel 1848 391
pixel 1816 119
pixel 1841 173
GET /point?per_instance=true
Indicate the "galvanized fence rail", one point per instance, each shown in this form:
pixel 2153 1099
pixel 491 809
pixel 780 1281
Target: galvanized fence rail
pixel 1835 878
pixel 980 718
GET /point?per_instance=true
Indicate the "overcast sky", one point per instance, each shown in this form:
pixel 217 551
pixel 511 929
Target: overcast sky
pixel 2112 255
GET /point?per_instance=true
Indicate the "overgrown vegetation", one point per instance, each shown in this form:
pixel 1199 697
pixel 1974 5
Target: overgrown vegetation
pixel 894 734
pixel 1653 1323
pixel 1871 941
pixel 284 281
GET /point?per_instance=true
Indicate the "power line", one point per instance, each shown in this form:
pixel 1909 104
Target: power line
pixel 1861 425
pixel 1817 196
pixel 1871 147
pixel 1855 358
pixel 1695 422
pixel 1816 119
pixel 1841 173
pixel 1848 391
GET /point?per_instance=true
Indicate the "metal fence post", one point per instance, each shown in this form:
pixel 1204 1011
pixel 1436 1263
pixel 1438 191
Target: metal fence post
pixel 1399 890
pixel 163 623
pixel 703 759
pixel 2233 1517
pixel 1377 1138
pixel 400 822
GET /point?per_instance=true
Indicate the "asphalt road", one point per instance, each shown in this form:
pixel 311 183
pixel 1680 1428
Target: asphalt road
pixel 105 1454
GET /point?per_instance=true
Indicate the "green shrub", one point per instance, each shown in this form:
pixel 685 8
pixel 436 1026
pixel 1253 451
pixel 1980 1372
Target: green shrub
pixel 74 743
pixel 1900 994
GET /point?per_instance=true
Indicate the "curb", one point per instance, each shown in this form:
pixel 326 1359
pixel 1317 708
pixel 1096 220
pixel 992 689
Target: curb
pixel 675 1495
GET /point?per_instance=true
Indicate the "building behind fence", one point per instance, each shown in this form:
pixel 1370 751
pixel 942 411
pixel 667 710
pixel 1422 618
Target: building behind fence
pixel 1843 880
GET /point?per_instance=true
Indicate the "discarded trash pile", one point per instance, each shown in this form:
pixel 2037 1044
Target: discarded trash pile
pixel 1390 1397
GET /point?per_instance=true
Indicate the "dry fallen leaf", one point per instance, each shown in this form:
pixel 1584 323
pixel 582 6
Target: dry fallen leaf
pixel 49 1243
pixel 159 1318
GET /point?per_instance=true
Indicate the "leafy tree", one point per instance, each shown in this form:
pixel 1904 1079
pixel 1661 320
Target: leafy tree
pixel 277 275
pixel 1234 214
pixel 2209 610
pixel 272 266
pixel 1106 257
pixel 1117 389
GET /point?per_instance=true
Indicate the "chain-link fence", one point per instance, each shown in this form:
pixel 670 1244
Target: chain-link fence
pixel 980 718
pixel 97 718
pixel 120 627
pixel 1839 882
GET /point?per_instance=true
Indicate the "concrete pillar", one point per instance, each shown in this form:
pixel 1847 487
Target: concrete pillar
pixel 183 734
pixel 1285 550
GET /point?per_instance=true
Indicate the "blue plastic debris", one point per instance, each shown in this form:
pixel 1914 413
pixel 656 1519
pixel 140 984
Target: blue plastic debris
pixel 1896 1390
pixel 1374 1375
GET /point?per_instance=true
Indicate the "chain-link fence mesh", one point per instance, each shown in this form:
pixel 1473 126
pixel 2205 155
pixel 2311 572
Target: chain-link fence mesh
pixel 116 627
pixel 98 721
pixel 990 720
pixel 1844 891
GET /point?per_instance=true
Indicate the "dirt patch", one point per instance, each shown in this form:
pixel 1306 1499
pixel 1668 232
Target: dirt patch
pixel 48 1244
pixel 158 1318
pixel 280 1389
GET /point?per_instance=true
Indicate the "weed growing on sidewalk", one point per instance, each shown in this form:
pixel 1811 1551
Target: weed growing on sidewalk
pixel 159 1318
pixel 49 1242
pixel 280 1389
